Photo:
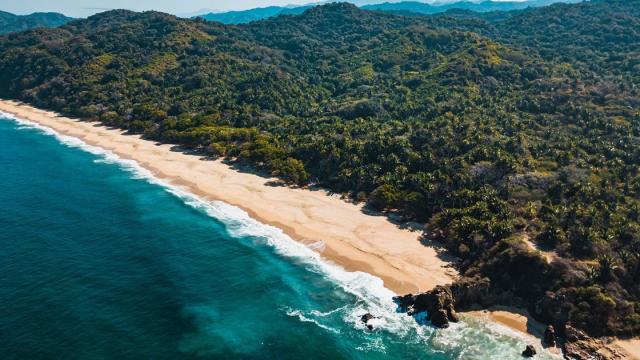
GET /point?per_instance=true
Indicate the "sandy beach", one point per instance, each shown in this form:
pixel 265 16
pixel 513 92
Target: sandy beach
pixel 629 349
pixel 348 237
pixel 518 320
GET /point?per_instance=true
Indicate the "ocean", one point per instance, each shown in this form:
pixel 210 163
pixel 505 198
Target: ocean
pixel 100 260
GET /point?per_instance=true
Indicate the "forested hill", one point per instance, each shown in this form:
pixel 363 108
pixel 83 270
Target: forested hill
pixel 418 7
pixel 11 23
pixel 603 36
pixel 402 7
pixel 245 16
pixel 488 132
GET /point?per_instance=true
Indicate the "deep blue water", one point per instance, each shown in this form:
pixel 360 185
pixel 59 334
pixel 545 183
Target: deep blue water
pixel 98 261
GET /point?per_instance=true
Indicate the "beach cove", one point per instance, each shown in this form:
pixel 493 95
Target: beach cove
pixel 336 229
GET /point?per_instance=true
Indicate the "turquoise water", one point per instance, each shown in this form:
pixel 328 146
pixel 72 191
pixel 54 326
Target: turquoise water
pixel 100 260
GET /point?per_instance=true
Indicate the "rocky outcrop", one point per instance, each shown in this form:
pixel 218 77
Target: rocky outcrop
pixel 451 314
pixel 572 334
pixel 439 318
pixel 365 319
pixel 469 292
pixel 437 303
pixel 586 349
pixel 529 351
pixel 550 336
pixel 578 345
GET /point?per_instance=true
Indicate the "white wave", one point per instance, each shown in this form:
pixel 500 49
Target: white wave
pixel 328 313
pixel 303 318
pixel 372 297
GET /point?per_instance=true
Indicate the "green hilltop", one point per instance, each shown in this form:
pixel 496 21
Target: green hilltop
pixel 12 23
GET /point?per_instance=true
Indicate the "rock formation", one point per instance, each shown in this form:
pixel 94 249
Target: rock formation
pixel 550 336
pixel 437 303
pixel 529 351
pixel 365 319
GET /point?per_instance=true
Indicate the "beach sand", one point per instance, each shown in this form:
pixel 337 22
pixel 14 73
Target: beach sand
pixel 521 321
pixel 628 349
pixel 347 236
pixel 518 320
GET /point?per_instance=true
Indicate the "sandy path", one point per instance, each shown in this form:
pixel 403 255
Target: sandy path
pixel 352 239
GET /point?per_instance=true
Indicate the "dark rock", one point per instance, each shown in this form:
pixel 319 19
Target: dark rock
pixel 529 351
pixel 550 336
pixel 437 303
pixel 404 301
pixel 572 334
pixel 439 319
pixel 431 301
pixel 366 317
pixel 369 326
pixel 451 314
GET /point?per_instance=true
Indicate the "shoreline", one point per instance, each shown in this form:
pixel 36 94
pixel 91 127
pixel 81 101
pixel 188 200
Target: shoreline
pixel 518 320
pixel 347 236
pixel 340 231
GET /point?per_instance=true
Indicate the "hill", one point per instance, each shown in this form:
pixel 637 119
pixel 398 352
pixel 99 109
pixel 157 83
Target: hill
pixel 245 16
pixel 416 7
pixel 504 134
pixel 11 23
pixel 403 7
pixel 575 34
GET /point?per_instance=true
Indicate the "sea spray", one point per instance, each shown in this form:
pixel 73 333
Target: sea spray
pixel 468 339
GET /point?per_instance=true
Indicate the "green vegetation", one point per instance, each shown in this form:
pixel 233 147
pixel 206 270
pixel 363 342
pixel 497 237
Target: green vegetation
pixel 11 23
pixel 245 16
pixel 413 8
pixel 487 127
pixel 410 8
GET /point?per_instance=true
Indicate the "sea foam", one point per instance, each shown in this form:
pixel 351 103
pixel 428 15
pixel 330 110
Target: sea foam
pixel 488 340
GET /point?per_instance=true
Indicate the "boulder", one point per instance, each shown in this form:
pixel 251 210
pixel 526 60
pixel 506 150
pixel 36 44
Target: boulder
pixel 431 301
pixel 550 336
pixel 451 314
pixel 366 317
pixel 437 303
pixel 439 319
pixel 404 301
pixel 529 351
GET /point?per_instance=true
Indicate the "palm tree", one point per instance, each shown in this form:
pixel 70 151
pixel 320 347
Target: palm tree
pixel 608 264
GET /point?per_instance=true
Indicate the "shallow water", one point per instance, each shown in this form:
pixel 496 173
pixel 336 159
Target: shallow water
pixel 98 260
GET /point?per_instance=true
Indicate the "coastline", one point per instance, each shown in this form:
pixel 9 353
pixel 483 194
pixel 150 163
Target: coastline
pixel 340 231
pixel 518 320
